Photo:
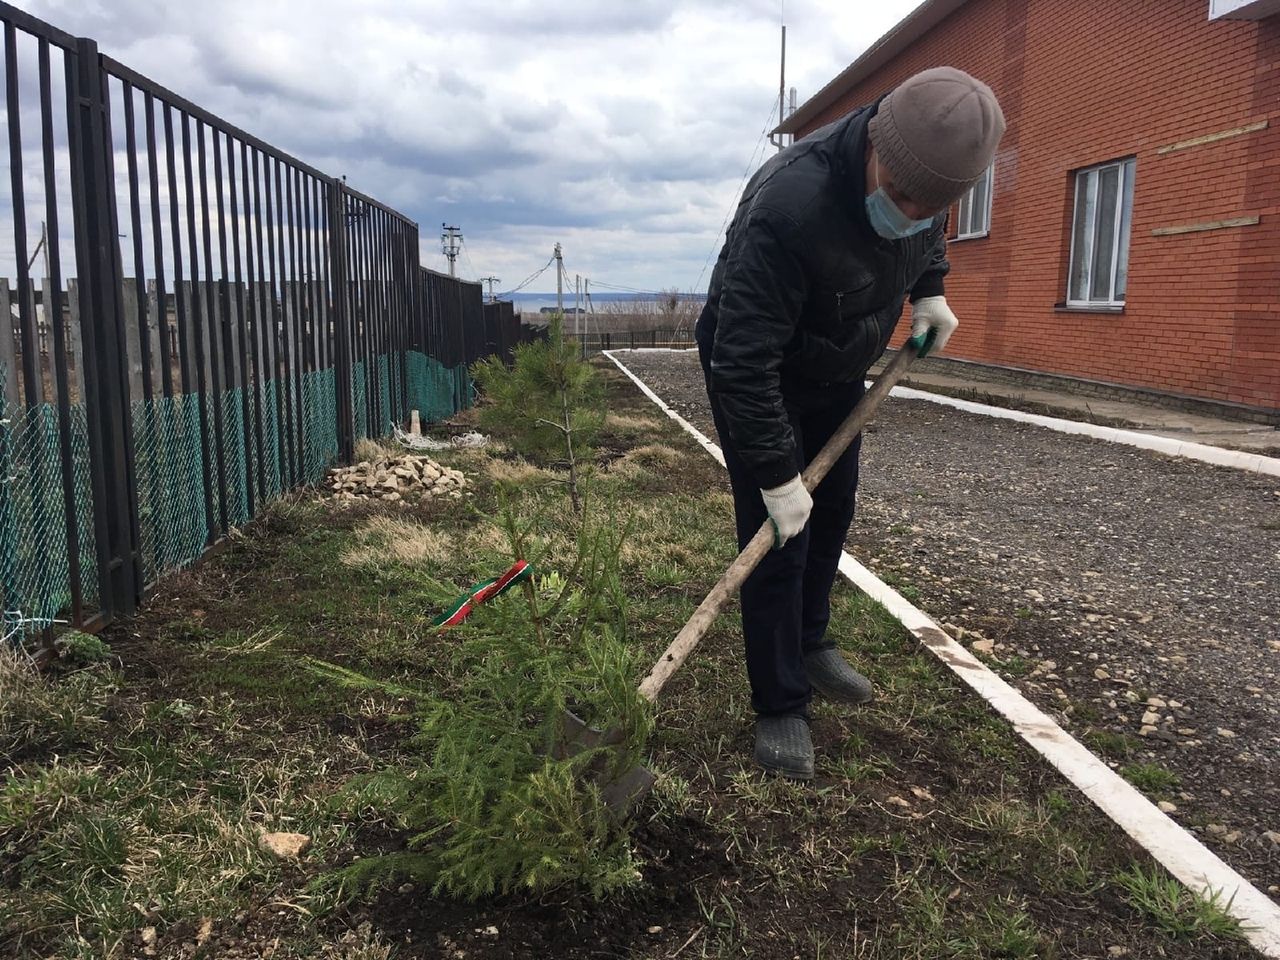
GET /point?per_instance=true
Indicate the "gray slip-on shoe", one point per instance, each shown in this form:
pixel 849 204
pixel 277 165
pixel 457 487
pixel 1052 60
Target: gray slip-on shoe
pixel 783 747
pixel 831 675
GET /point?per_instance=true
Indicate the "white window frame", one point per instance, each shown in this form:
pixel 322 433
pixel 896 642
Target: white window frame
pixel 965 227
pixel 1090 177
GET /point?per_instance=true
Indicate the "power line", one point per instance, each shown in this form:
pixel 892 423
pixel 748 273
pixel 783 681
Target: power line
pixel 529 279
pixel 462 245
pixel 624 289
pixel 733 203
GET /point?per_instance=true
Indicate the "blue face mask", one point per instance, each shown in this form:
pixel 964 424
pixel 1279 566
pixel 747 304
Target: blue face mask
pixel 887 219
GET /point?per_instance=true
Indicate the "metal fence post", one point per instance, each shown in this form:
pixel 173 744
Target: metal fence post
pixel 106 376
pixel 337 240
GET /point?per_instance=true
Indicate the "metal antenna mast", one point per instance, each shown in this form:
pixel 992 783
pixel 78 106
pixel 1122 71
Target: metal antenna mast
pixel 780 140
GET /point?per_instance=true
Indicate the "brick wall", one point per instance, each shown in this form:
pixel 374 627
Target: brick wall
pixel 1090 81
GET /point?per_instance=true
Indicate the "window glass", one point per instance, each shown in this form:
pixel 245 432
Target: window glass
pixel 1126 223
pixel 1082 235
pixel 979 207
pixel 1102 221
pixel 973 213
pixel 1104 245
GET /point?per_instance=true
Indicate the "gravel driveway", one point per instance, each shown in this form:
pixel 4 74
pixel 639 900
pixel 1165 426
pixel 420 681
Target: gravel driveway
pixel 1134 597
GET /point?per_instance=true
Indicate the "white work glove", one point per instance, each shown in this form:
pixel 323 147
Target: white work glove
pixel 932 315
pixel 788 507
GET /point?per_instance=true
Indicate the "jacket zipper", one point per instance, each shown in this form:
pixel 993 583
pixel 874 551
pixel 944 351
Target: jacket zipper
pixel 841 294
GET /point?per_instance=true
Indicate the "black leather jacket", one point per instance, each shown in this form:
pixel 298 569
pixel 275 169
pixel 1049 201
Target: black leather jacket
pixel 805 294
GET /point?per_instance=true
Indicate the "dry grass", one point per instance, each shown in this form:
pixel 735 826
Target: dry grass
pixel 38 711
pixel 654 455
pixel 651 457
pixel 487 539
pixel 720 501
pixel 653 534
pixel 625 423
pixel 370 450
pixel 516 473
pixel 391 540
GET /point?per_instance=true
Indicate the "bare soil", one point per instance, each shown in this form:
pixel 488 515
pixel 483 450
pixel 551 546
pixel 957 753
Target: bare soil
pixel 931 831
pixel 1132 596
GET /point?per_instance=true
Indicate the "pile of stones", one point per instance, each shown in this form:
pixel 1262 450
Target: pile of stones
pixel 405 478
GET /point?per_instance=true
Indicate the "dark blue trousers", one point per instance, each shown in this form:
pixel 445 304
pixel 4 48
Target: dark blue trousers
pixel 786 602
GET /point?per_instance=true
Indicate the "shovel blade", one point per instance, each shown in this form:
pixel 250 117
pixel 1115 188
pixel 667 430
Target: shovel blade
pixel 620 793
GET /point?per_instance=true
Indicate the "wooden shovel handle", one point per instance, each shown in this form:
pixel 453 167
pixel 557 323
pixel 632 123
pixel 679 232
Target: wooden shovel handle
pixel 698 624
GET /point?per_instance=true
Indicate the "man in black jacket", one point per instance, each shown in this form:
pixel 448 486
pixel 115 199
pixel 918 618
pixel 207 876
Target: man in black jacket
pixel 830 239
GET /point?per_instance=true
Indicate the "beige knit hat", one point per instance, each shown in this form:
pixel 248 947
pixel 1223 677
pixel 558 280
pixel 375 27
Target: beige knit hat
pixel 937 132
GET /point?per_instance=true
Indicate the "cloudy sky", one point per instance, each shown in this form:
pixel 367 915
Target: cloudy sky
pixel 620 128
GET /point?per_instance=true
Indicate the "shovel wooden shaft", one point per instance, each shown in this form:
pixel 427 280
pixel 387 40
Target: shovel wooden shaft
pixel 697 626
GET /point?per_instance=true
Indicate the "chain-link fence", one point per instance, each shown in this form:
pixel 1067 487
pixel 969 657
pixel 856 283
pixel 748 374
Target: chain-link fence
pixel 215 324
pixel 39 574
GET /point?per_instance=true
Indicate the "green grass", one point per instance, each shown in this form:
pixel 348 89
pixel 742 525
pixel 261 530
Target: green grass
pixel 1109 744
pixel 1015 666
pixel 139 779
pixel 1175 909
pixel 909 591
pixel 167 821
pixel 1150 778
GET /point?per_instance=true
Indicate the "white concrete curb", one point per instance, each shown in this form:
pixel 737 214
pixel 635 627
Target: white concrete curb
pixel 1252 462
pixel 1170 446
pixel 1178 850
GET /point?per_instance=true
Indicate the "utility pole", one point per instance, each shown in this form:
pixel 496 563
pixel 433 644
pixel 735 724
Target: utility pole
pixel 559 258
pixel 577 300
pixel 450 242
pixel 782 90
pixel 491 281
pixel 781 140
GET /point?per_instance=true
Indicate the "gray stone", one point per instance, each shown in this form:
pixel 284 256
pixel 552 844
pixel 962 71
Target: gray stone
pixel 285 845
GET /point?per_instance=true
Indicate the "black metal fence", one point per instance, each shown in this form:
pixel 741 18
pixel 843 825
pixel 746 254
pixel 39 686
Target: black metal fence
pixel 674 339
pixel 203 323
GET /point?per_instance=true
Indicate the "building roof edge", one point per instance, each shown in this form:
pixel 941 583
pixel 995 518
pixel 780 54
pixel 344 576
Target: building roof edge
pixel 907 30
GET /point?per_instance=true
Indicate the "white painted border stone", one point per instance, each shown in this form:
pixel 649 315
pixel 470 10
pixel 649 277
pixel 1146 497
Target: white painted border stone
pixel 1170 446
pixel 1252 462
pixel 1178 850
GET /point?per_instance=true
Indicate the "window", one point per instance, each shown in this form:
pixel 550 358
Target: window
pixel 973 217
pixel 1099 269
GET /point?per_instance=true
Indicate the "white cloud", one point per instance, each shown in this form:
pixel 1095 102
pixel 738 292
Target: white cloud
pixel 620 129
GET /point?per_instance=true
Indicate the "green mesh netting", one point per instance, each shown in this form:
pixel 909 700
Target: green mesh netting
pixel 436 391
pixel 387 394
pixel 271 438
pixel 168 464
pixel 35 565
pixel 170 470
pixel 384 396
pixel 319 423
pixel 231 451
pixel 358 406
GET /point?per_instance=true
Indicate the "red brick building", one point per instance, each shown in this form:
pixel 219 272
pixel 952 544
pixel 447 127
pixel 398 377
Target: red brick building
pixel 1130 229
